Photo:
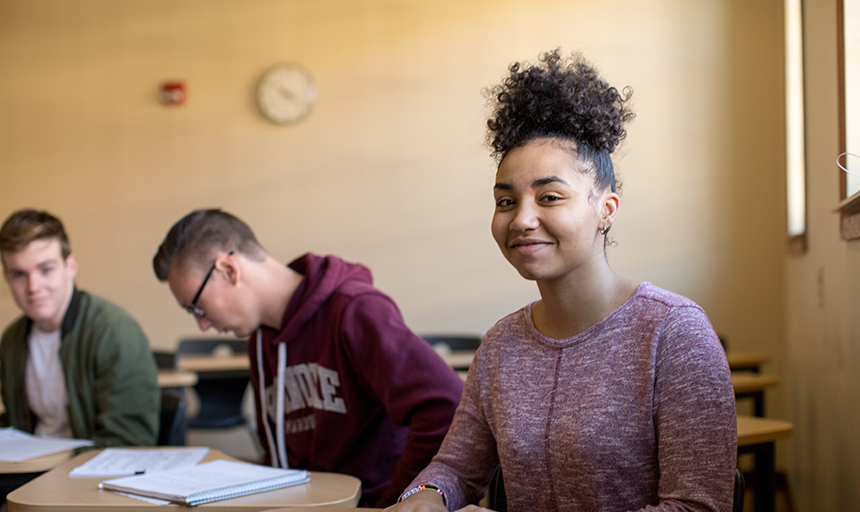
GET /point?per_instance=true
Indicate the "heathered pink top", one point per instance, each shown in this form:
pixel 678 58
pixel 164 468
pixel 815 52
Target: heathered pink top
pixel 636 413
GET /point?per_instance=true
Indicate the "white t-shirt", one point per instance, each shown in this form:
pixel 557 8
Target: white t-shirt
pixel 46 386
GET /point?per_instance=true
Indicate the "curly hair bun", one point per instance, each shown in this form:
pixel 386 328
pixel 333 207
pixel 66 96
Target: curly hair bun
pixel 557 98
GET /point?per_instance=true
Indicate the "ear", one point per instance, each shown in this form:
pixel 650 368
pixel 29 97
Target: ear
pixel 230 266
pixel 72 265
pixel 609 204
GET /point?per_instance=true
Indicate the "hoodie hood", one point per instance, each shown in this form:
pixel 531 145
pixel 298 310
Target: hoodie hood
pixel 324 275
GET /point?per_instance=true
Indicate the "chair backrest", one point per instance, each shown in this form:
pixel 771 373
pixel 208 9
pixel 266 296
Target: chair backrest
pixel 173 422
pixel 220 393
pixel 496 496
pixel 164 360
pixel 210 345
pixel 453 342
pixel 740 488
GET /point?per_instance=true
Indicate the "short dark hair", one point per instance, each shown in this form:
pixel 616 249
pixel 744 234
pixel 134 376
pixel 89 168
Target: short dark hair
pixel 26 226
pixel 198 235
pixel 560 99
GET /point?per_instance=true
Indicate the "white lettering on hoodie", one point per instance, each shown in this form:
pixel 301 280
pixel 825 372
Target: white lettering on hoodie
pixel 307 386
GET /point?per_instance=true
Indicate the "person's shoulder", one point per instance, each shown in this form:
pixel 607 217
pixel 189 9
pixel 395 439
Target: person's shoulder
pixel 15 330
pixel 102 308
pixel 653 308
pixel 649 293
pixel 514 324
pixel 356 288
pixel 683 325
pixel 100 313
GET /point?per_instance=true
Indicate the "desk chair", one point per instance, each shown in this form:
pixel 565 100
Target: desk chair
pixel 453 342
pixel 496 496
pixel 173 421
pixel 724 342
pixel 164 360
pixel 220 392
pixel 740 489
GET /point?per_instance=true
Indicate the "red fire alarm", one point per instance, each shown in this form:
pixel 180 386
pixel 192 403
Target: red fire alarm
pixel 172 93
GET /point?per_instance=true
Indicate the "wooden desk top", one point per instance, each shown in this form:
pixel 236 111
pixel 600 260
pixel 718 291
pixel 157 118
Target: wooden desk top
pixel 752 430
pixel 176 379
pixel 213 363
pixel 320 509
pixel 745 360
pixel 55 491
pixel 752 383
pixel 43 463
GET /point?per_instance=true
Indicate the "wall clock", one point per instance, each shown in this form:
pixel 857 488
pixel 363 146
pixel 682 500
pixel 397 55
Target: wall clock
pixel 286 93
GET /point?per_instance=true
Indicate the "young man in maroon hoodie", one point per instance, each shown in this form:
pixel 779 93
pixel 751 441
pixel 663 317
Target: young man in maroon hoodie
pixel 341 384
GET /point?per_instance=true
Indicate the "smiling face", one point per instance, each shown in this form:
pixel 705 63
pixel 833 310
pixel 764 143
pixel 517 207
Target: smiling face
pixel 548 213
pixel 41 281
pixel 223 305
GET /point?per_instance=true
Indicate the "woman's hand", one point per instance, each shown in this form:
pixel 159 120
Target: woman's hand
pixel 428 501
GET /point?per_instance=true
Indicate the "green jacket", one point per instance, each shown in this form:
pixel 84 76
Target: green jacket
pixel 111 377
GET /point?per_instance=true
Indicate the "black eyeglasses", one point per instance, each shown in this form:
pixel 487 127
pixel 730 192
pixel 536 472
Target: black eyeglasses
pixel 193 308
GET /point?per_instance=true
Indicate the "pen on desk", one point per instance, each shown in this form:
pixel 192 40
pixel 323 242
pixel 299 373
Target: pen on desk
pixel 139 472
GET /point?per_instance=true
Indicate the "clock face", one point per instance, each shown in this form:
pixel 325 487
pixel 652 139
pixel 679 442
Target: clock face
pixel 286 94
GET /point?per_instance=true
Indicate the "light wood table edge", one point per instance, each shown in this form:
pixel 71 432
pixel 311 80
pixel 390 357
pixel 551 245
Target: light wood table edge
pixel 752 383
pixel 746 359
pixel 753 430
pixel 36 464
pixel 319 509
pixel 213 363
pixel 176 378
pixel 118 503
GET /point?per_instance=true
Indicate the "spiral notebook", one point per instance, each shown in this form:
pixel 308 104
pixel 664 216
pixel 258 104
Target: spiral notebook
pixel 210 481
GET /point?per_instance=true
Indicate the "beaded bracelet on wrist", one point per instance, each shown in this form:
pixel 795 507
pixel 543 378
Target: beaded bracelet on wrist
pixel 420 488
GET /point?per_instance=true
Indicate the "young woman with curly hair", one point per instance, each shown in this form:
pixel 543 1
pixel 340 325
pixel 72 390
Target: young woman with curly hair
pixel 605 394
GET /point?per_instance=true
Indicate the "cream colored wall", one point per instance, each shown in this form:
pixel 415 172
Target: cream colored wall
pixel 390 169
pixel 823 303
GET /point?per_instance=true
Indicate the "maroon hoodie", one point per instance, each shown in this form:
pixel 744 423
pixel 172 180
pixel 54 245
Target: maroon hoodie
pixel 364 395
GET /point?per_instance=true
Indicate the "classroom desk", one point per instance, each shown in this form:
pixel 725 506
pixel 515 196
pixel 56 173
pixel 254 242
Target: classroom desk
pixel 56 492
pixel 321 509
pixel 748 385
pixel 176 379
pixel 15 474
pixel 204 364
pixel 167 379
pixel 746 361
pixel 758 436
pixel 36 464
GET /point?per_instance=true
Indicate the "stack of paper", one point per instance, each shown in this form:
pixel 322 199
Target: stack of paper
pixel 17 446
pixel 210 481
pixel 125 461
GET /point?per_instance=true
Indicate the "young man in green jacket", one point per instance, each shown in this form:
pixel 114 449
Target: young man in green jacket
pixel 73 365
